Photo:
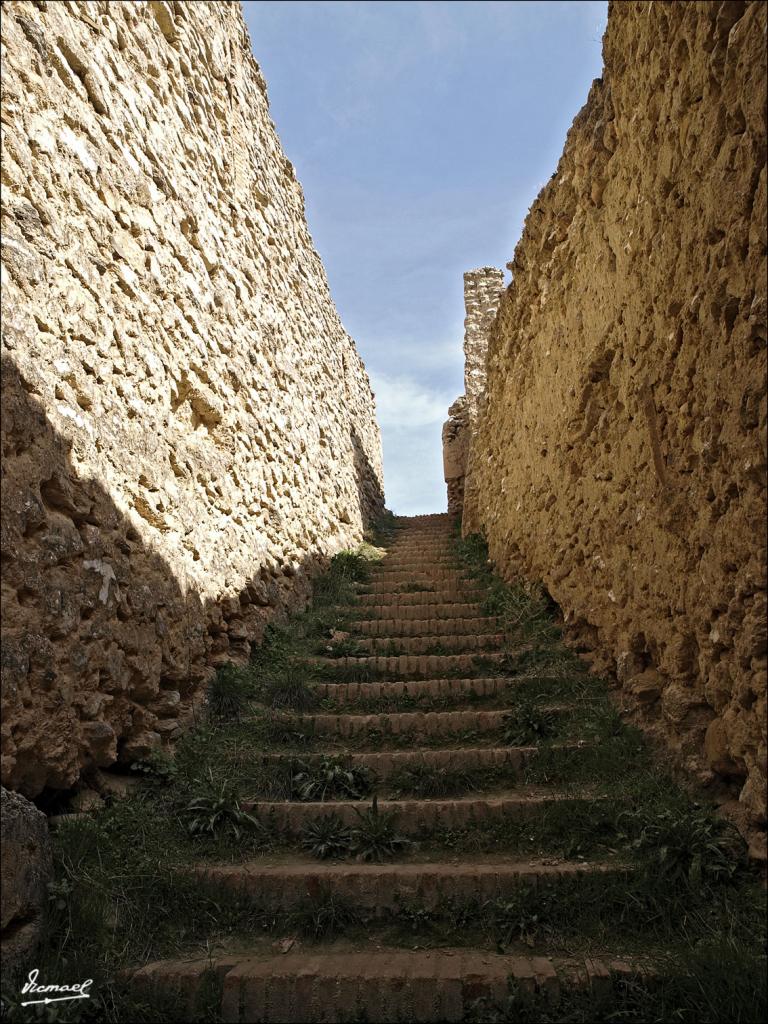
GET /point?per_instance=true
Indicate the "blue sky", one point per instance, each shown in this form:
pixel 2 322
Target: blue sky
pixel 421 133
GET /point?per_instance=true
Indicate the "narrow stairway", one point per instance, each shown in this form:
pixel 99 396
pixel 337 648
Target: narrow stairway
pixel 419 635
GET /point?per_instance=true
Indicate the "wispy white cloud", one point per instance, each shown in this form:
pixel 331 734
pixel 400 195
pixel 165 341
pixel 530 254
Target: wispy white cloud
pixel 403 403
pixel 422 131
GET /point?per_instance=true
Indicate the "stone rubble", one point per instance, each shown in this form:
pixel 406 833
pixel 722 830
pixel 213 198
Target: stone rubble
pixel 26 868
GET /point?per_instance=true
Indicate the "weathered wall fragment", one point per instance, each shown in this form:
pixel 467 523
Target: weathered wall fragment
pixel 187 428
pixel 26 866
pixel 621 457
pixel 482 293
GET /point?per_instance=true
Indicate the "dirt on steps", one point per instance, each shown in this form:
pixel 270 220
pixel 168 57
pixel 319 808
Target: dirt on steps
pixel 384 985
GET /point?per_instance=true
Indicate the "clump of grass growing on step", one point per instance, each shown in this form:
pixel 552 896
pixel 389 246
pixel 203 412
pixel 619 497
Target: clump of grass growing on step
pixel 684 845
pixel 349 647
pixel 383 530
pixel 516 918
pixel 523 608
pixel 286 688
pixel 229 692
pixel 326 837
pixel 325 916
pixel 598 762
pixel 338 584
pixel 158 768
pixel 330 778
pixel 217 809
pixel 529 724
pixel 375 838
pixel 715 981
pixel 431 782
pixel 414 587
pixel 280 730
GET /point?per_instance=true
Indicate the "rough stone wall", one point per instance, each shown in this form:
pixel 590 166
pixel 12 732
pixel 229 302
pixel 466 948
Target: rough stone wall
pixel 187 429
pixel 621 457
pixel 455 437
pixel 482 293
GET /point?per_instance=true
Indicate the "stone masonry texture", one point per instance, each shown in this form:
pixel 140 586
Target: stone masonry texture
pixel 188 431
pixel 482 293
pixel 621 455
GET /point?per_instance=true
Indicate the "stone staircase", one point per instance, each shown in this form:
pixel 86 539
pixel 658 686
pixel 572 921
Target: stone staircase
pixel 419 604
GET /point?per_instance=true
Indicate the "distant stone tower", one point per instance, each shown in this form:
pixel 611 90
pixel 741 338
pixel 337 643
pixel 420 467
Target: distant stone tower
pixel 482 294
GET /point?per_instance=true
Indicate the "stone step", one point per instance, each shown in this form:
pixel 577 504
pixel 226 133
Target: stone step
pixel 385 763
pixel 460 689
pixel 425 560
pixel 418 597
pixel 427 554
pixel 451 588
pixel 397 574
pixel 412 723
pixel 373 984
pixel 413 817
pixel 405 627
pixel 412 666
pixel 462 642
pixel 416 611
pixel 383 887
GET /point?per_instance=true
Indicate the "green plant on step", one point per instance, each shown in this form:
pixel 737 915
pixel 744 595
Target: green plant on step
pixel 414 587
pixel 229 692
pixel 391 650
pixel 375 837
pixel 286 688
pixel 715 981
pixel 352 566
pixel 346 648
pixel 218 810
pixel 412 914
pixel 684 845
pixel 516 918
pixel 158 768
pixel 278 729
pixel 326 837
pixel 528 724
pixel 382 530
pixel 330 778
pixel 429 782
pixel 325 916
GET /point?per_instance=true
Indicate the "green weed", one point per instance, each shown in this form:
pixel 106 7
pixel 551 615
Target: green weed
pixel 229 692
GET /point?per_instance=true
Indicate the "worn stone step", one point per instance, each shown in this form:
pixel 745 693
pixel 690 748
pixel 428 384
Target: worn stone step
pixel 405 627
pixel 413 666
pixel 383 887
pixel 425 611
pixel 386 763
pixel 418 597
pixel 461 642
pixel 433 554
pixel 397 574
pixel 413 723
pixel 418 559
pixel 373 984
pixel 460 689
pixel 452 589
pixel 413 817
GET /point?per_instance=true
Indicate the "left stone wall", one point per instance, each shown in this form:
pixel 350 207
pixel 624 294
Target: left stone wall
pixel 188 431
